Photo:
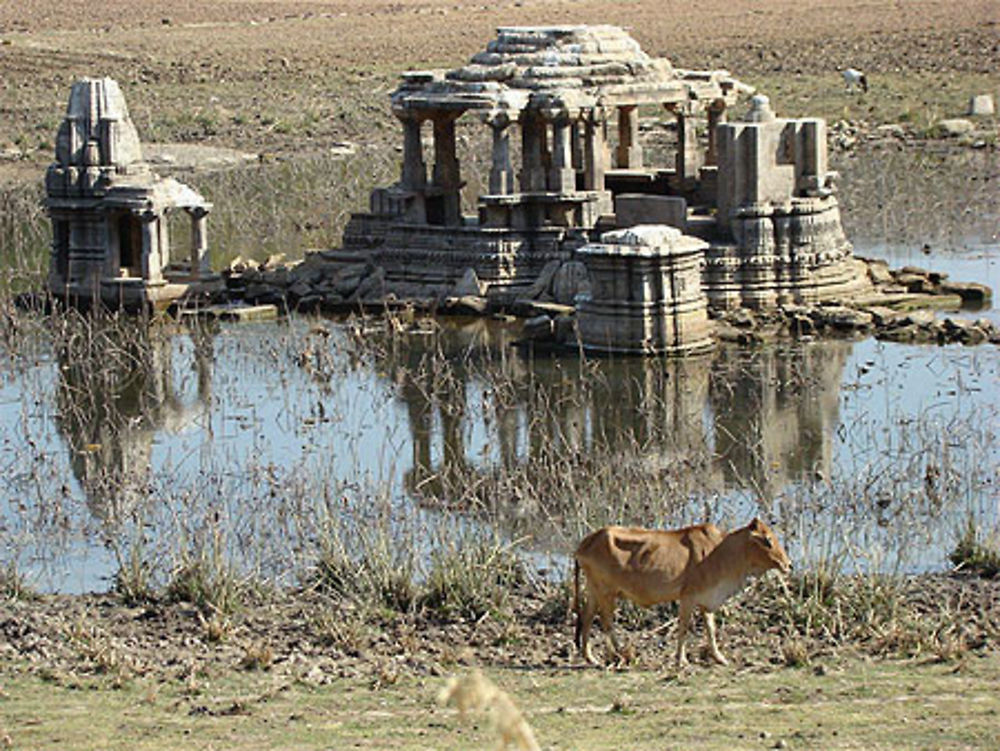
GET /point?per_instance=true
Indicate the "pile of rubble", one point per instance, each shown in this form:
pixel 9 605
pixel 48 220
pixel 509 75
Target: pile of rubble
pixel 899 308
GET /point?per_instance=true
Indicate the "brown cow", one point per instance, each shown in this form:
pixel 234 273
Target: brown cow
pixel 699 566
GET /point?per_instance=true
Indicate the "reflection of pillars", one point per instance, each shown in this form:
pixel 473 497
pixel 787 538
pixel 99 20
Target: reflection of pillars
pixel 689 156
pixel 508 425
pixel 453 457
pixel 160 385
pixel 501 171
pixel 716 116
pixel 150 264
pixel 414 175
pixel 202 339
pixel 629 149
pixel 446 168
pixel 532 168
pixel 562 178
pixel 594 153
pixel 200 265
pixel 421 416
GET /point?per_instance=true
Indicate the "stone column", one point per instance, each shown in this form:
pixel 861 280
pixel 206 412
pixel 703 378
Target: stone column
pixel 562 177
pixel 149 263
pixel 594 152
pixel 414 176
pixel 689 156
pixel 629 149
pixel 200 265
pixel 532 168
pixel 447 176
pixel 716 115
pixel 501 170
pixel 577 145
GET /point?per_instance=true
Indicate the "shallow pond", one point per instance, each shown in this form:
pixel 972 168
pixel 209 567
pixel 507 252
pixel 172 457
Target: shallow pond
pixel 120 445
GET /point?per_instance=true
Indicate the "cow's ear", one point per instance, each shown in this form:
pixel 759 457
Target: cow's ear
pixel 755 525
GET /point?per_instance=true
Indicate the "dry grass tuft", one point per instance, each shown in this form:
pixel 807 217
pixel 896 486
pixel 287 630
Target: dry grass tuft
pixel 257 656
pixel 475 693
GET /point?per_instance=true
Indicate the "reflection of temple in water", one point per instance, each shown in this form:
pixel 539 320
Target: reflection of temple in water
pixel 775 412
pixel 116 390
pixel 735 419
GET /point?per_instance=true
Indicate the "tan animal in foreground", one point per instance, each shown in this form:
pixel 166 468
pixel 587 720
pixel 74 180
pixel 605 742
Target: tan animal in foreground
pixel 699 566
pixel 475 692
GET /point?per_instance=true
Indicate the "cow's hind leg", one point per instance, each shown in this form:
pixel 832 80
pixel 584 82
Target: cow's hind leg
pixel 713 646
pixel 606 608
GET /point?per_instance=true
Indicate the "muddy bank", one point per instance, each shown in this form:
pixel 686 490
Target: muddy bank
pixel 311 637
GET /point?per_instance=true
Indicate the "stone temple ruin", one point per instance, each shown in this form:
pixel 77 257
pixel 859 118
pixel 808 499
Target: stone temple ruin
pixel 757 194
pixel 659 234
pixel 109 211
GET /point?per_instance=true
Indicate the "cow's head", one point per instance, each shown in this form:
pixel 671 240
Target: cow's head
pixel 764 550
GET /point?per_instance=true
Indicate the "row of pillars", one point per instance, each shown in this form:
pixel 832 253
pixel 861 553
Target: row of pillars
pixel 547 164
pixel 155 249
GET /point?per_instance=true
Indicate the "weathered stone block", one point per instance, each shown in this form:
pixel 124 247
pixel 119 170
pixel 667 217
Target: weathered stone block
pixel 639 208
pixel 981 105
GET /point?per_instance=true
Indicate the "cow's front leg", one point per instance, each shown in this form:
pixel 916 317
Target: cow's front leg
pixel 712 644
pixel 683 616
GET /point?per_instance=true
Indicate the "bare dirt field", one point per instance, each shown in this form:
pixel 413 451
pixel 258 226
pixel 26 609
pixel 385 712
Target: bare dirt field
pixel 287 76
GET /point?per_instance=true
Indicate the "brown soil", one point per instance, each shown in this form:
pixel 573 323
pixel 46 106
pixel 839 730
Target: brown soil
pixel 281 76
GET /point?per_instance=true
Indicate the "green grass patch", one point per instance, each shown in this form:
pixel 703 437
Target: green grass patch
pixel 851 704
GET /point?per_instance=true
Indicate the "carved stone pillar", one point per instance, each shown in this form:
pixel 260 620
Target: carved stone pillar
pixel 414 176
pixel 629 149
pixel 501 170
pixel 577 145
pixel 562 177
pixel 150 263
pixel 716 115
pixel 200 265
pixel 689 156
pixel 532 167
pixel 447 176
pixel 594 152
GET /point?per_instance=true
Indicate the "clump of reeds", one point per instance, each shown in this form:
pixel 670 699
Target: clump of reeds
pixel 471 578
pixel 975 555
pixel 25 237
pixel 14 585
pixel 476 693
pixel 365 565
pixel 206 577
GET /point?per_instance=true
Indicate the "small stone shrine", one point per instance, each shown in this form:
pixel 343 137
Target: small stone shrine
pixel 109 211
pixel 646 294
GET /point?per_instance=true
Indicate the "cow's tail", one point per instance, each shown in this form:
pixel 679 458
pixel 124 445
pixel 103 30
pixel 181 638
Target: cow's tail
pixel 578 634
